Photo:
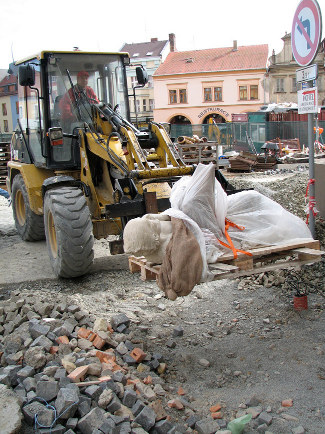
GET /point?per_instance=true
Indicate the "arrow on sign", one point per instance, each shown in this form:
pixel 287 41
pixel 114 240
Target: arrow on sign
pixel 301 30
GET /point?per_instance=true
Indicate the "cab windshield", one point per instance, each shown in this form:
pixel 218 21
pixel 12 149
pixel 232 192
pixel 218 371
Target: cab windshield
pixel 78 80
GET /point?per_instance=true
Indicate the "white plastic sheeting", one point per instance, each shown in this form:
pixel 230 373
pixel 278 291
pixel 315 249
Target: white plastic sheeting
pixel 203 205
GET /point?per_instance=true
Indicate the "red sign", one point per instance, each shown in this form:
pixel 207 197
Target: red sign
pixel 306 32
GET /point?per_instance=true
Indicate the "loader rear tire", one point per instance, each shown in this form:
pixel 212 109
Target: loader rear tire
pixel 29 225
pixel 69 231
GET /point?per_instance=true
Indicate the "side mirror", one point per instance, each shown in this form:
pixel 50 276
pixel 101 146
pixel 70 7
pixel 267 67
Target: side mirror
pixel 26 74
pixel 142 75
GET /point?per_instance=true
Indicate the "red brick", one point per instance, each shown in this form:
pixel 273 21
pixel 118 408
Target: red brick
pixel 105 378
pixel 83 333
pixel 62 340
pixel 175 403
pixel 138 355
pixel 216 415
pixel 98 342
pixel 78 373
pixel 148 380
pixel 105 356
pixel 287 403
pixel 92 336
pixel 215 408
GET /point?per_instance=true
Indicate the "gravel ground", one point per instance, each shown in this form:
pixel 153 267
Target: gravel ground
pixel 238 342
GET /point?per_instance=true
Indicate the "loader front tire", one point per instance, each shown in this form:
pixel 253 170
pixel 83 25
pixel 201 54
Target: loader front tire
pixel 68 230
pixel 29 225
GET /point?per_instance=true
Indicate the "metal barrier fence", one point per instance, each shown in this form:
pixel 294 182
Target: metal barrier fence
pixel 233 134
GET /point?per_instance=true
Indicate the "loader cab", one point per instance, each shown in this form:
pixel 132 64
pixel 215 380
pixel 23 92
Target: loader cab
pixel 56 93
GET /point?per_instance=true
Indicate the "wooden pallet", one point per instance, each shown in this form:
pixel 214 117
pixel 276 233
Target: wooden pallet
pixel 148 270
pixel 263 259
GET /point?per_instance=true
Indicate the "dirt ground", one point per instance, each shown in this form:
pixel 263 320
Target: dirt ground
pixel 236 344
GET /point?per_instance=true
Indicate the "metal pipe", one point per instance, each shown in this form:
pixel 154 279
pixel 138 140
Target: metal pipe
pixel 311 175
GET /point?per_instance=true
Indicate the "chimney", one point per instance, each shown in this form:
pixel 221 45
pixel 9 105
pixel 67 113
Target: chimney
pixel 154 40
pixel 172 42
pixel 234 47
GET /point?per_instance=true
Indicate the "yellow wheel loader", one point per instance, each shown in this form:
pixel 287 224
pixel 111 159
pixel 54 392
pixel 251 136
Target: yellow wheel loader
pixel 79 169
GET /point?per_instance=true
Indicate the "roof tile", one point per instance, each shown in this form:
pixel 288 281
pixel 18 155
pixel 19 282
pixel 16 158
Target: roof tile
pixel 215 59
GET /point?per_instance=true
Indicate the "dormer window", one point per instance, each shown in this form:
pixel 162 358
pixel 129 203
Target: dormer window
pixel 149 53
pixel 135 55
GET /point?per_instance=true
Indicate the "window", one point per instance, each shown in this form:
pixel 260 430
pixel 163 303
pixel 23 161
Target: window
pixel 144 105
pixel 5 126
pixel 134 81
pixel 218 93
pixel 178 95
pixel 243 92
pixel 182 96
pixel 137 105
pixel 280 85
pixel 207 94
pixel 4 109
pixel 173 96
pixel 293 84
pixel 17 107
pixel 151 104
pixel 253 91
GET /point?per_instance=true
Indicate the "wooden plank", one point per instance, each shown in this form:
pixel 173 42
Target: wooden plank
pixel 267 250
pixel 222 266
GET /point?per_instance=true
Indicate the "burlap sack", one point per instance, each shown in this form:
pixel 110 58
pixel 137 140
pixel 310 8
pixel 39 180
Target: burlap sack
pixel 182 266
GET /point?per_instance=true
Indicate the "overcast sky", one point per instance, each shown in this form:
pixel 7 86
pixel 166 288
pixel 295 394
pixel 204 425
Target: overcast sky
pixel 30 26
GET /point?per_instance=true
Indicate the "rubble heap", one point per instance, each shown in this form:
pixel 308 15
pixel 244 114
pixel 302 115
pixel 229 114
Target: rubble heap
pixel 70 372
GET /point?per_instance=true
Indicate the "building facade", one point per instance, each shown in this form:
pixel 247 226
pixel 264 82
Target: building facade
pixel 150 55
pixel 282 75
pixel 190 87
pixel 9 107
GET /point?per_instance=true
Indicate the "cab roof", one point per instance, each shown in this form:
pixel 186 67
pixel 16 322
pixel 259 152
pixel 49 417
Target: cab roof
pixel 42 54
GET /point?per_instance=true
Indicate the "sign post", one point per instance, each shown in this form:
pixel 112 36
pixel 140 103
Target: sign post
pixel 305 38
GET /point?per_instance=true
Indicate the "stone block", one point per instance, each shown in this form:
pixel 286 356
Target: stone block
pixel 84 406
pixel 162 427
pixel 264 417
pixel 35 357
pixel 66 403
pixel 26 371
pixel 130 398
pixel 94 419
pixel 108 426
pixel 114 405
pixel 72 423
pixel 93 392
pixel 5 379
pixel 45 416
pixel 206 426
pixel 146 418
pixel 12 372
pixel 36 329
pixel 47 390
pixel 43 342
pixel 118 320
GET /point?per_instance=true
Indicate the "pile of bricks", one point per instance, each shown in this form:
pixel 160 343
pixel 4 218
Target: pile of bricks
pixel 72 373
